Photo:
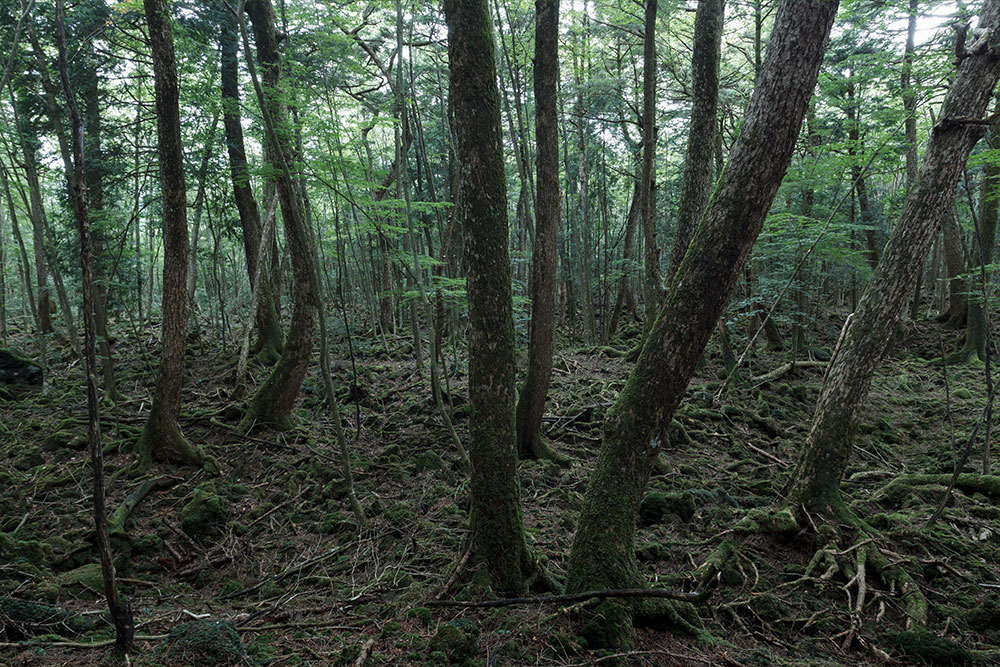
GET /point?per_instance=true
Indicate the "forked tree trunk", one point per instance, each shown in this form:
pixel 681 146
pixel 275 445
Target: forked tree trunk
pixel 603 554
pixel 531 402
pixel 269 341
pixel 816 481
pixel 161 439
pixel 273 402
pixel 497 523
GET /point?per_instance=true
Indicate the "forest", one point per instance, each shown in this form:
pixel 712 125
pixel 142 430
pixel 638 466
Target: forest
pixel 498 332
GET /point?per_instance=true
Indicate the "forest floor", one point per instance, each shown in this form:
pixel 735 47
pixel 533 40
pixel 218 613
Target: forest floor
pixel 271 546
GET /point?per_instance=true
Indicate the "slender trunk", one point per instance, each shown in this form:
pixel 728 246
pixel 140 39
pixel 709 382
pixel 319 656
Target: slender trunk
pixel 816 481
pixel 161 439
pixel 652 284
pixel 121 615
pixel 531 400
pixel 273 402
pixel 696 186
pixel 954 316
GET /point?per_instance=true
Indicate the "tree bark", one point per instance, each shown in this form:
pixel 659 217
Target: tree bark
pixel 652 283
pixel 497 524
pixel 269 338
pixel 954 316
pixel 531 401
pixel 696 186
pixel 603 554
pixel 816 480
pixel 273 402
pixel 161 438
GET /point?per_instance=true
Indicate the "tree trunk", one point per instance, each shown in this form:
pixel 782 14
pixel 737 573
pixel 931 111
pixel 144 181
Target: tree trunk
pixel 816 480
pixel 652 283
pixel 497 524
pixel 121 615
pixel 603 554
pixel 696 186
pixel 954 316
pixel 625 282
pixel 531 401
pixel 161 439
pixel 269 343
pixel 272 404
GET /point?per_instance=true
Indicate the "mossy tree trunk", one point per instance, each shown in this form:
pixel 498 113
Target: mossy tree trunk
pixel 497 524
pixel 161 438
pixel 954 316
pixel 531 401
pixel 273 402
pixel 603 554
pixel 269 341
pixel 696 186
pixel 652 282
pixel 816 481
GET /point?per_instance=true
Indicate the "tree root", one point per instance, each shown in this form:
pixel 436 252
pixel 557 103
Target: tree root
pixel 856 563
pixel 895 490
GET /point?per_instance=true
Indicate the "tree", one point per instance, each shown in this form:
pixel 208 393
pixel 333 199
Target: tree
pixel 697 183
pixel 269 342
pixel 272 404
pixel 652 281
pixel 531 401
pixel 496 521
pixel 161 438
pixel 816 481
pixel 603 553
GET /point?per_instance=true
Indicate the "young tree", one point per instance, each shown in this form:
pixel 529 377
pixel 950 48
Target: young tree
pixel 497 524
pixel 531 401
pixel 652 281
pixel 161 438
pixel 603 553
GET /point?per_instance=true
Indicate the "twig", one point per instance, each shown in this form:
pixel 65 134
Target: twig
pixel 366 651
pixel 288 572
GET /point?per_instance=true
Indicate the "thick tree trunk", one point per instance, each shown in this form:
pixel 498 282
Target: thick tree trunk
pixel 696 186
pixel 161 439
pixel 272 404
pixel 531 401
pixel 497 525
pixel 603 553
pixel 816 481
pixel 269 339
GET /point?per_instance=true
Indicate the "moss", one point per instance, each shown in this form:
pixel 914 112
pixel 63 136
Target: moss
pixel 655 506
pixel 87 577
pixel 985 616
pixel 926 648
pixel 203 642
pixel 29 551
pixel 422 614
pixel 457 640
pixel 204 516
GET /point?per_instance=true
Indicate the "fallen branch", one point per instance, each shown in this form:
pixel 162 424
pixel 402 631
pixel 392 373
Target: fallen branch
pixel 786 368
pixel 698 596
pixel 294 569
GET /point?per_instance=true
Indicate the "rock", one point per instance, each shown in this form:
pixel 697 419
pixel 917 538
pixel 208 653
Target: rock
pixel 428 461
pixel 203 642
pixel 87 576
pixel 205 515
pixel 15 369
pixel 656 505
pixel 64 439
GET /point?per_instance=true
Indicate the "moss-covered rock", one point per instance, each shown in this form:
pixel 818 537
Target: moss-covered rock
pixel 36 552
pixel 429 461
pixel 657 505
pixel 458 641
pixel 926 648
pixel 985 616
pixel 204 516
pixel 86 579
pixel 202 643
